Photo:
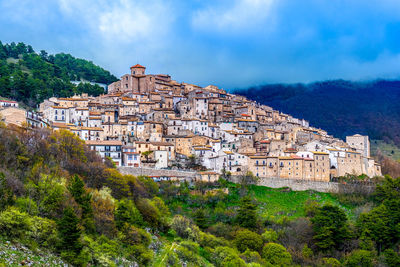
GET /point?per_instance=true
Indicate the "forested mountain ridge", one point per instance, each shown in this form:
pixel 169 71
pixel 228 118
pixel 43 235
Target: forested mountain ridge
pixel 340 107
pixel 31 77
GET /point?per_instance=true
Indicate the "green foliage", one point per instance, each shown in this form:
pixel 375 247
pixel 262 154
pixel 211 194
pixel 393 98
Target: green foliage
pixel 330 227
pixel 7 195
pixel 360 258
pixel 49 194
pixel 188 251
pixel 200 218
pixel 306 252
pixel 31 78
pixel 246 239
pixel 388 190
pixel 184 227
pixel 247 215
pixel 251 257
pixel 68 228
pixel 132 235
pixel 226 256
pixel 276 254
pixel 127 212
pixel 331 262
pixel 20 225
pixel 269 236
pixel 27 205
pixel 209 240
pixel 392 259
pixel 78 192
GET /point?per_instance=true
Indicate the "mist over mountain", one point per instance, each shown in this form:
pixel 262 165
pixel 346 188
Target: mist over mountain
pixel 340 107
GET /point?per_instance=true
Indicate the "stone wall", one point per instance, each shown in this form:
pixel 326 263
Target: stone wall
pixel 327 187
pixel 156 172
pixel 295 185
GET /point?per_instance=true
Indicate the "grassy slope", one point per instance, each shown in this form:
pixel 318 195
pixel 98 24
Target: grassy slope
pixel 385 148
pixel 278 203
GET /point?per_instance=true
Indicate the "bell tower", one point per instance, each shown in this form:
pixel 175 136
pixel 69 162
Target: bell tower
pixel 138 70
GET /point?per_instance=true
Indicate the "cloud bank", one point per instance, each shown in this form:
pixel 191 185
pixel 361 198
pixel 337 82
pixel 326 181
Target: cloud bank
pixel 231 44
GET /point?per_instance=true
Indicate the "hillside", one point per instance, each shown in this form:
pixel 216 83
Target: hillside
pixel 31 77
pixel 59 202
pixel 340 107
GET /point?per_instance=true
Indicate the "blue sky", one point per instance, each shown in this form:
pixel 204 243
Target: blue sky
pixel 235 43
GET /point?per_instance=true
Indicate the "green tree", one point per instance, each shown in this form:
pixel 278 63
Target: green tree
pixel 78 191
pixel 276 254
pixel 7 195
pixel 330 227
pixel 68 228
pixel 247 214
pixel 127 213
pixel 200 219
pixel 392 259
pixel 246 239
pixel 360 258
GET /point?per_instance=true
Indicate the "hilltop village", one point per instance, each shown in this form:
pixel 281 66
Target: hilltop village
pixel 153 121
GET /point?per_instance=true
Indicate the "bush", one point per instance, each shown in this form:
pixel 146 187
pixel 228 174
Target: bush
pixel 246 239
pixel 14 223
pixel 392 259
pixel 127 212
pixel 276 254
pixel 27 205
pixel 226 256
pixel 184 227
pixel 188 252
pixel 251 257
pixel 101 251
pixel 142 255
pixel 209 240
pixel 360 258
pixel 20 225
pixel 331 262
pixel 132 235
pixel 269 236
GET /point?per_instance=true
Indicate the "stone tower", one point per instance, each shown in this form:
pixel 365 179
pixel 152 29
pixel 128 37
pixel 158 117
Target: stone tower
pixel 138 78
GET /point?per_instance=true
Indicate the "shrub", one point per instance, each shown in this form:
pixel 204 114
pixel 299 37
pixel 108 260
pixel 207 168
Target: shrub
pixel 306 252
pixel 14 223
pixel 360 258
pixel 20 225
pixel 27 205
pixel 184 228
pixel 127 212
pixel 141 254
pixel 209 240
pixel 226 256
pixel 331 262
pixel 392 259
pixel 251 257
pixel 132 235
pixel 269 235
pixel 246 239
pixel 188 252
pixel 276 254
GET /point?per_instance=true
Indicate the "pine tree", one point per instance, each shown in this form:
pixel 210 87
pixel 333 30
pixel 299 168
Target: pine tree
pixel 68 228
pixel 247 215
pixel 77 190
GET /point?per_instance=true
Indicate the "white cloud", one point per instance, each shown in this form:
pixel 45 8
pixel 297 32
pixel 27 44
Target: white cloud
pixel 241 15
pixel 121 20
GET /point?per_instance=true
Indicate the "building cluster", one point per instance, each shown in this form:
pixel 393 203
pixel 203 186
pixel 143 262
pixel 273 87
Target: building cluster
pixel 153 121
pixel 12 114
